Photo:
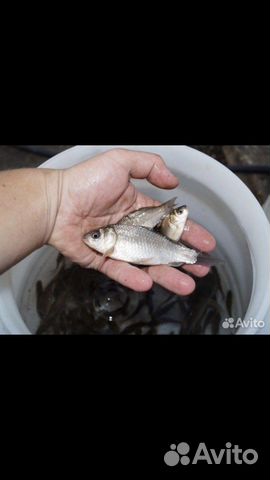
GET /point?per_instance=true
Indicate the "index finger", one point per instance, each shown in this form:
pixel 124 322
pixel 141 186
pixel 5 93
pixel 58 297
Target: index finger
pixel 198 237
pixel 146 165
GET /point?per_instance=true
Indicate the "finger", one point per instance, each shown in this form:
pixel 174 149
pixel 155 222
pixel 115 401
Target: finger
pixel 126 274
pixel 147 165
pixel 198 237
pixel 197 270
pixel 171 279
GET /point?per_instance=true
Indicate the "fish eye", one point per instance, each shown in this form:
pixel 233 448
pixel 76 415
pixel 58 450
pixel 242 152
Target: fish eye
pixel 182 209
pixel 95 235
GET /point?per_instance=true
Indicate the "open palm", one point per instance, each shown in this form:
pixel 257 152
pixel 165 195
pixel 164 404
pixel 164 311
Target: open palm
pixel 98 192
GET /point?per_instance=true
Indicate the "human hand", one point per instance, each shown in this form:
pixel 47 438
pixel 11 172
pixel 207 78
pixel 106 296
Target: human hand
pixel 97 193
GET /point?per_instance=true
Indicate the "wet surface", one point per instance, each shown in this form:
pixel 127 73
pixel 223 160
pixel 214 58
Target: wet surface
pixel 81 301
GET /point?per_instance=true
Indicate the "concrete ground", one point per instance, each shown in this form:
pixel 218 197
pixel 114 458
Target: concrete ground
pixel 18 156
pixel 241 155
pixel 13 156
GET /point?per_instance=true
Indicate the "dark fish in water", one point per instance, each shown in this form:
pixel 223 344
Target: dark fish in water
pixel 229 302
pixel 80 301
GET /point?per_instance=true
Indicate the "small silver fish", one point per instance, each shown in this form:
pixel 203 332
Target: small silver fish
pixel 173 224
pixel 139 245
pixel 149 217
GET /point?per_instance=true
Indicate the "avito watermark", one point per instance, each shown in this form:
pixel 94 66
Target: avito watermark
pixel 238 322
pixel 231 454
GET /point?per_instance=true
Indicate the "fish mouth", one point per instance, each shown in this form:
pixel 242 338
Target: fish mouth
pixel 86 239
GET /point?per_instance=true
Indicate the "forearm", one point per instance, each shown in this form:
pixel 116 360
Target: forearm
pixel 28 207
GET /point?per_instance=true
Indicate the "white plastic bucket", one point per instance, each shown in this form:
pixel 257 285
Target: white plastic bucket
pixel 216 198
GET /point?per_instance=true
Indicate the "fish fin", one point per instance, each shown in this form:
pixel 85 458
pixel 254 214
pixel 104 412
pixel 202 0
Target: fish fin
pixel 132 217
pixel 108 252
pixel 208 261
pixel 168 207
pixel 170 203
pixel 175 264
pixel 125 221
pixel 145 261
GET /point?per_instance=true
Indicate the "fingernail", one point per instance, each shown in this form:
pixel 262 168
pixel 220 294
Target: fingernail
pixel 185 282
pixel 171 176
pixel 209 242
pixel 206 242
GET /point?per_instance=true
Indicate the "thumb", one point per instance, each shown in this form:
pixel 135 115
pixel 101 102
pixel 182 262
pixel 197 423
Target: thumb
pixel 147 165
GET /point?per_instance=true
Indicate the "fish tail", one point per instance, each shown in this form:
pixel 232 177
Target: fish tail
pixel 208 261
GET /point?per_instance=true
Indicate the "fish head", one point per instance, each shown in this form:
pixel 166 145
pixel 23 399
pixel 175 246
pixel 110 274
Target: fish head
pixel 179 216
pixel 102 240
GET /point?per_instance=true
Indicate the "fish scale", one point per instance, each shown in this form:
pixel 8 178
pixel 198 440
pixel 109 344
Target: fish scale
pixel 140 245
pixel 149 217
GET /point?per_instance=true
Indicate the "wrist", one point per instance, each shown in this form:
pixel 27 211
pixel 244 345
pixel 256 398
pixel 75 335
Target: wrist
pixel 29 202
pixel 52 192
